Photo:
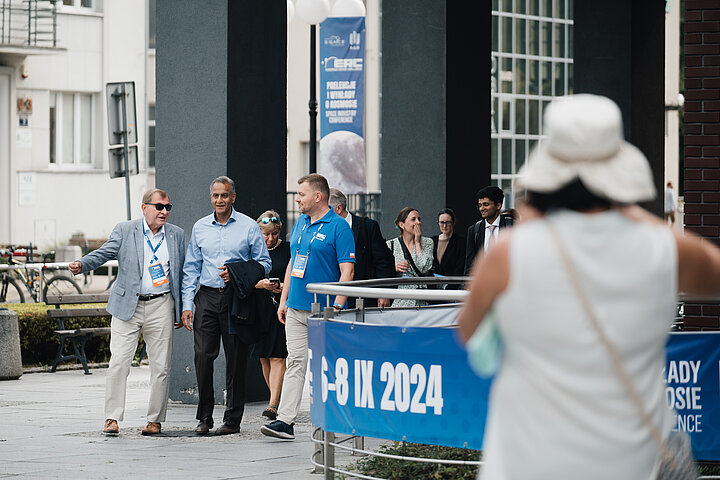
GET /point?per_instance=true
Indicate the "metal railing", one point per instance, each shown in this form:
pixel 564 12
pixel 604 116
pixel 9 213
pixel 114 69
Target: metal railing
pixel 323 457
pixel 28 23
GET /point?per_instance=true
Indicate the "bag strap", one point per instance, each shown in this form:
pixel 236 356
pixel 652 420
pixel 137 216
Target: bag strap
pixel 409 258
pixel 612 353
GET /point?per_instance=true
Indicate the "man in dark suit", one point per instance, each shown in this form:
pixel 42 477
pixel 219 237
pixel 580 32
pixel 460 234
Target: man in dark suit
pixel 145 299
pixel 482 235
pixel 372 257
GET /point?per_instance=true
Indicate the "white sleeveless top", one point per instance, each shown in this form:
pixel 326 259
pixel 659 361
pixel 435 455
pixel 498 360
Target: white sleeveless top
pixel 557 409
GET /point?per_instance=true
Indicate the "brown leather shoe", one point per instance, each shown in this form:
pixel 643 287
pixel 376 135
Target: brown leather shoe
pixel 152 428
pixel 227 429
pixel 111 427
pixel 203 428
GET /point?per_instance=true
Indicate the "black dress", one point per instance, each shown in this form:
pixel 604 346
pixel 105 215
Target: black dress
pixel 274 344
pixel 453 261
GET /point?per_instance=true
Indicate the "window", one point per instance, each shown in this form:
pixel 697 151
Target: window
pixel 78 3
pixel 151 136
pixel 71 128
pixel 151 24
pixel 531 63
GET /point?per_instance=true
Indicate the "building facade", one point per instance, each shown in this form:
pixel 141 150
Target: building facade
pixel 54 176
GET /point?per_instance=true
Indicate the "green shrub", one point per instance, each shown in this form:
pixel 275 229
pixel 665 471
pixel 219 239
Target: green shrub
pixel 38 345
pixel 391 468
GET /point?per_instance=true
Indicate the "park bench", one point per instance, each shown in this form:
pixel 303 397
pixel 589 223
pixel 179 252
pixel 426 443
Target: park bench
pixel 78 337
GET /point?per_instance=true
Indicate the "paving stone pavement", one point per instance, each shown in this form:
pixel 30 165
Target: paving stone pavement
pixel 50 427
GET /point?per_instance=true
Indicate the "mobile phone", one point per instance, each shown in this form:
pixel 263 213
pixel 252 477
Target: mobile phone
pixel 274 280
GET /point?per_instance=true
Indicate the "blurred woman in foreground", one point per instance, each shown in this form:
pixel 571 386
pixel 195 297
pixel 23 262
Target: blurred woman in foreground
pixel 585 253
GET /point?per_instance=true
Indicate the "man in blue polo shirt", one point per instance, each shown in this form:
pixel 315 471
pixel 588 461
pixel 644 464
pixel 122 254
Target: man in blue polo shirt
pixel 322 249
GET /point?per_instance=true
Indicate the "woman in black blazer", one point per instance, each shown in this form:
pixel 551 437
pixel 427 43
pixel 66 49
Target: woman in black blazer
pixel 448 247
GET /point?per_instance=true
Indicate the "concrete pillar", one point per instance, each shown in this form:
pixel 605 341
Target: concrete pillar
pixel 10 360
pixel 221 110
pixel 620 53
pixel 435 146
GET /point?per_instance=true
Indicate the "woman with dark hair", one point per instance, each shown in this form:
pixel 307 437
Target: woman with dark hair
pixel 448 247
pixel 272 350
pixel 412 252
pixel 583 294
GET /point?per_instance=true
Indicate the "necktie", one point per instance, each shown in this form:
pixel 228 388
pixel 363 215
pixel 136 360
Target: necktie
pixel 491 239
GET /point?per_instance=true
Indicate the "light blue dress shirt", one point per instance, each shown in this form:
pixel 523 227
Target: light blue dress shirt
pixel 214 244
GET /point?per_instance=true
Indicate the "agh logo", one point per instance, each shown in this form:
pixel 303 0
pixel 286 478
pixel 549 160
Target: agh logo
pixel 354 41
pixel 335 41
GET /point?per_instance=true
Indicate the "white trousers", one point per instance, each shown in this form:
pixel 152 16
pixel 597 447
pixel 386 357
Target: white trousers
pixel 154 319
pixel 296 333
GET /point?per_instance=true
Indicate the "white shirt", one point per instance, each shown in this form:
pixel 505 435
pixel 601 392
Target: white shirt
pixel 494 234
pixel 163 256
pixel 349 218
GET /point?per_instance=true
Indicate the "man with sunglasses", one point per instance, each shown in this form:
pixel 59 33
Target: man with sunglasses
pixel 482 235
pixel 223 237
pixel 145 299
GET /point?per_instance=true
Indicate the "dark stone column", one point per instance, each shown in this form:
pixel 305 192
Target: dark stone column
pixel 467 163
pixel 435 148
pixel 619 52
pixel 413 145
pixel 221 110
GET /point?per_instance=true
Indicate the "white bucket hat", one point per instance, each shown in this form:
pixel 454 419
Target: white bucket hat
pixel 585 141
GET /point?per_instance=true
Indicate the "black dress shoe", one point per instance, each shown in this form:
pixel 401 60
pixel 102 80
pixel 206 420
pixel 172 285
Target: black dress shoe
pixel 203 428
pixel 227 429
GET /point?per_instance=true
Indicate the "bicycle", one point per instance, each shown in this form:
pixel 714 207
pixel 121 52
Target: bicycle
pixel 12 279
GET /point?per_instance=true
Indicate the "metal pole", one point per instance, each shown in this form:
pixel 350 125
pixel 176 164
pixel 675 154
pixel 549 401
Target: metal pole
pixel 126 155
pixel 329 455
pixel 313 101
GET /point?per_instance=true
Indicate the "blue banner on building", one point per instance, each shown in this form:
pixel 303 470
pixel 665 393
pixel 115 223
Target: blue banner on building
pixel 414 384
pixel 342 96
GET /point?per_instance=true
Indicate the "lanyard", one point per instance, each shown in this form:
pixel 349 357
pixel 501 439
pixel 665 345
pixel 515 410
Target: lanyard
pixel 311 240
pixel 154 249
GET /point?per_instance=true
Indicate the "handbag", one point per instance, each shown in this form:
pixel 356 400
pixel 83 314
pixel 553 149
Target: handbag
pixel 411 262
pixel 677 462
pixel 485 347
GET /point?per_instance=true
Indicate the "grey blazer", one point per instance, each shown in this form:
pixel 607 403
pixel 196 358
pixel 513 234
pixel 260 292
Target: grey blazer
pixel 126 242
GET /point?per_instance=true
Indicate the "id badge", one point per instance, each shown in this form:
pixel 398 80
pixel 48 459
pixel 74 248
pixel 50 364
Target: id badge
pixel 157 274
pixel 298 269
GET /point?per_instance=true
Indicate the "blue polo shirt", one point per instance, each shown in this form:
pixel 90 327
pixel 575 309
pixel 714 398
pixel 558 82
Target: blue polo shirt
pixel 327 242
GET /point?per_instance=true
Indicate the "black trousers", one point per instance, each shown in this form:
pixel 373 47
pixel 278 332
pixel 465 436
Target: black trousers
pixel 210 325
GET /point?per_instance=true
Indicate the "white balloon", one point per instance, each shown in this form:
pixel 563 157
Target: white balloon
pixel 348 8
pixel 312 11
pixel 290 11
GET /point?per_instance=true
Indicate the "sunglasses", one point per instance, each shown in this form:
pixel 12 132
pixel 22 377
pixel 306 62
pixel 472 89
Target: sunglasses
pixel 267 220
pixel 160 206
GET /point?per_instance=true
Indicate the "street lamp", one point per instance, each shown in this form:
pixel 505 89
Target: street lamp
pixel 313 12
pixel 348 8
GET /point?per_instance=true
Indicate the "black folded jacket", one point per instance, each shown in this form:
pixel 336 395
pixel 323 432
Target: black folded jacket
pixel 241 300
